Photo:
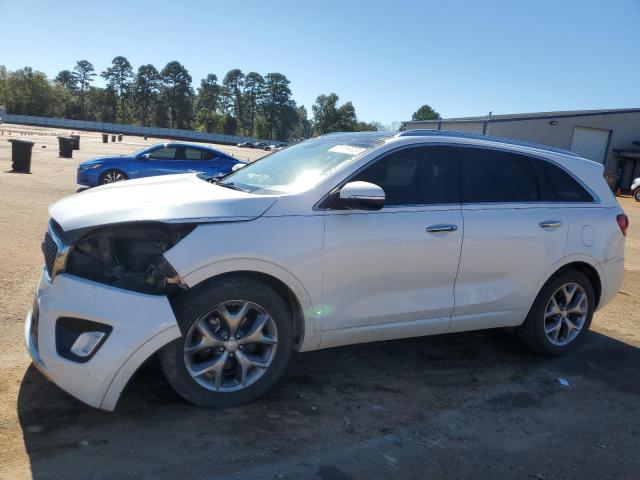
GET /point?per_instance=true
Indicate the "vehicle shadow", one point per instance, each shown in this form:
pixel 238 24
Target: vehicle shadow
pixel 328 400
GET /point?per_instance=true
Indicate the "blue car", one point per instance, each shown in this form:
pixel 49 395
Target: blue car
pixel 159 159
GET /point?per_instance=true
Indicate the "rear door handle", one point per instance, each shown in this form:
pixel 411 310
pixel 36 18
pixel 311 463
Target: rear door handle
pixel 441 227
pixel 550 224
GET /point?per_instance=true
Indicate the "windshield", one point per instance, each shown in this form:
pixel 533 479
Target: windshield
pixel 299 167
pixel 143 150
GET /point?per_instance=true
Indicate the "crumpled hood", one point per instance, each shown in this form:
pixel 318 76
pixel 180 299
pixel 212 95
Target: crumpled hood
pixel 169 198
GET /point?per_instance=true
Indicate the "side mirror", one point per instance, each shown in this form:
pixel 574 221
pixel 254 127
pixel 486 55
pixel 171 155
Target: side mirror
pixel 145 157
pixel 361 196
pixel 238 166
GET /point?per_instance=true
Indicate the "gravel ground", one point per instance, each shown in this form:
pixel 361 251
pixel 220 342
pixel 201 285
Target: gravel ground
pixel 453 406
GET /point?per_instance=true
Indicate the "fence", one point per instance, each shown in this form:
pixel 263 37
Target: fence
pixel 119 128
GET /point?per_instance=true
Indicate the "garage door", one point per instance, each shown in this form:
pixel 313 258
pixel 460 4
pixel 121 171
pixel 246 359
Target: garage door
pixel 590 143
pixel 468 127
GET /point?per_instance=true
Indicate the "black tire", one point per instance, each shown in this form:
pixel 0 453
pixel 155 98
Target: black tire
pixel 112 171
pixel 636 194
pixel 196 302
pixel 532 331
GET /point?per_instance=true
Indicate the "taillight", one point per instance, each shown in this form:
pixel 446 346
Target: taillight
pixel 623 222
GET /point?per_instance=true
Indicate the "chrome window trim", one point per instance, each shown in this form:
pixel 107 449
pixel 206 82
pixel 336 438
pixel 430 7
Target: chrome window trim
pixel 380 157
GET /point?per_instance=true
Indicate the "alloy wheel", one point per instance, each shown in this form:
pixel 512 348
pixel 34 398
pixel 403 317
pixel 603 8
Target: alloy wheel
pixel 231 346
pixel 112 177
pixel 566 314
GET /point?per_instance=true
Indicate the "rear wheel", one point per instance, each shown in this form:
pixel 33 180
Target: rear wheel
pixel 636 194
pixel 237 339
pixel 560 315
pixel 112 176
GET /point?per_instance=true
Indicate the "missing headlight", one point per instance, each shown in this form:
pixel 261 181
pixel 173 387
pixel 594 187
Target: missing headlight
pixel 130 256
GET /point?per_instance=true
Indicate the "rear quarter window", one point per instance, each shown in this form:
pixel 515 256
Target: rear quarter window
pixel 556 185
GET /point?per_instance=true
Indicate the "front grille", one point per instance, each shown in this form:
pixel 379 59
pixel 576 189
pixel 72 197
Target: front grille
pixel 50 250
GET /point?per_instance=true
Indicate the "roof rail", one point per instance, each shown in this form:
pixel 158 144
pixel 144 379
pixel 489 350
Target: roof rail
pixel 476 136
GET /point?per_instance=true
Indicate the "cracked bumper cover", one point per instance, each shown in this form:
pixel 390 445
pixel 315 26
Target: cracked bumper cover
pixel 142 324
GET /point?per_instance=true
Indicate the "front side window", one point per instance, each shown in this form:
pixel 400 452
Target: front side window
pixel 416 176
pixel 494 176
pixel 166 153
pixel 300 167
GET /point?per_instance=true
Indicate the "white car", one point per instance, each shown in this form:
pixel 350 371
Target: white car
pixel 338 240
pixel 635 189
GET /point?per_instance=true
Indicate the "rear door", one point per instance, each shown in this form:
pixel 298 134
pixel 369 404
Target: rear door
pixel 511 238
pixel 201 161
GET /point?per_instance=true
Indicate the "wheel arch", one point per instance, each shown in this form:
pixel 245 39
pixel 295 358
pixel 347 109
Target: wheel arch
pixel 286 285
pixel 585 265
pixel 111 168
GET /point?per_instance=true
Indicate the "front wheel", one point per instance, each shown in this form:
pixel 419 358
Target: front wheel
pixel 112 176
pixel 560 315
pixel 237 337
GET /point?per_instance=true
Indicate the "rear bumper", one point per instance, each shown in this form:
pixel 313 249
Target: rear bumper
pixel 612 274
pixel 141 325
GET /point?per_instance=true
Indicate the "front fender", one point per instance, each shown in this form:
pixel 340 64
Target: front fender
pixel 287 248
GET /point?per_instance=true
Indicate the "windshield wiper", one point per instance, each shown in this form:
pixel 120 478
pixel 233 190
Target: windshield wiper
pixel 231 185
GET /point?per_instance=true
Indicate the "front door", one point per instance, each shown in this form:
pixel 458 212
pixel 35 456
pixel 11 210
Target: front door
pixel 396 267
pixel 161 162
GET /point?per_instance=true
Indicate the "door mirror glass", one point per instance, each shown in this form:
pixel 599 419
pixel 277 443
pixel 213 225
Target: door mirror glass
pixel 361 196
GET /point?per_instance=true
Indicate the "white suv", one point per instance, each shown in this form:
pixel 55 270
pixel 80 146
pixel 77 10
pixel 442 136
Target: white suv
pixel 347 238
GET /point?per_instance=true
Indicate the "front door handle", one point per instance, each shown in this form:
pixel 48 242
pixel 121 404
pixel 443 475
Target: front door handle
pixel 551 224
pixel 441 227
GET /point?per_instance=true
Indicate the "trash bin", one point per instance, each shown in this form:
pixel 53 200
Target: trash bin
pixel 119 138
pixel 113 138
pixel 76 141
pixel 105 138
pixel 21 155
pixel 65 146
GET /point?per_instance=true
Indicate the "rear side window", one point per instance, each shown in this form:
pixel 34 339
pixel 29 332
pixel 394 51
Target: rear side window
pixel 416 176
pixel 192 154
pixel 556 185
pixel 494 176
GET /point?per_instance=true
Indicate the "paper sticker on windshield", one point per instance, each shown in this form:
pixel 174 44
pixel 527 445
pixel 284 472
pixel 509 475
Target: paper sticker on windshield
pixel 347 149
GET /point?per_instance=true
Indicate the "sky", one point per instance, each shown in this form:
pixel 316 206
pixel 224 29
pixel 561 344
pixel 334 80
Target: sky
pixel 463 58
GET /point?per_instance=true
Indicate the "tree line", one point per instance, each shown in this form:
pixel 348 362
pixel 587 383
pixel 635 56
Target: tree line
pixel 248 104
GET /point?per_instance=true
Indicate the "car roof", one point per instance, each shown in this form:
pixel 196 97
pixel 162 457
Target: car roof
pixel 486 138
pixel 371 138
pixel 190 145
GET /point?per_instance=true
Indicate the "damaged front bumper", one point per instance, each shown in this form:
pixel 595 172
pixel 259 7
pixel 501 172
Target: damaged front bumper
pixel 139 325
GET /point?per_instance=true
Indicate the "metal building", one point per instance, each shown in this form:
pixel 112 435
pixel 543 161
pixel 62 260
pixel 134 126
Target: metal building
pixel 611 137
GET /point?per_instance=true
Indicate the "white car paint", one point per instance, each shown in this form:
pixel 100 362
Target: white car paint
pixel 182 197
pixel 358 276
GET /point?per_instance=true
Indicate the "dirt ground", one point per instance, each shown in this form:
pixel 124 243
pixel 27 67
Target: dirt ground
pixel 453 406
